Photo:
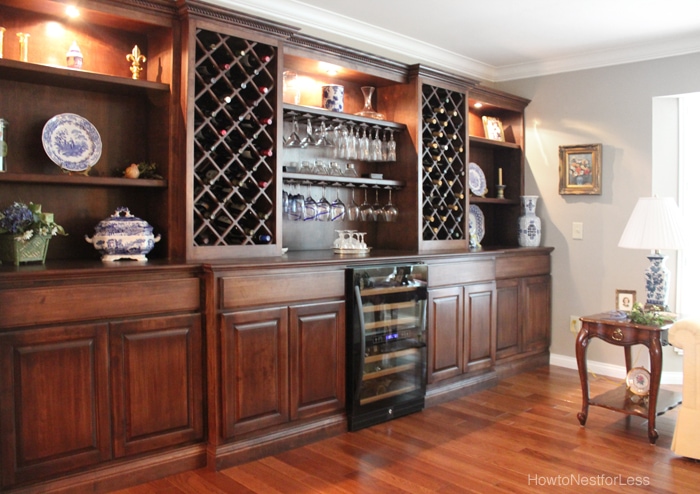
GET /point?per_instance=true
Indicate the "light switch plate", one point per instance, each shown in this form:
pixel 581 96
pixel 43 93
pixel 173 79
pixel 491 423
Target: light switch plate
pixel 577 230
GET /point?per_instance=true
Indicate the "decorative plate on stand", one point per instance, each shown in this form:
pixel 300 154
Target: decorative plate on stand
pixel 477 180
pixel 72 142
pixel 639 381
pixel 476 222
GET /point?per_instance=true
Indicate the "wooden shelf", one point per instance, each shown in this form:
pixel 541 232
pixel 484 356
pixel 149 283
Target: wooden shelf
pixel 75 79
pixel 304 112
pixel 622 400
pixel 492 200
pixel 37 178
pixel 480 141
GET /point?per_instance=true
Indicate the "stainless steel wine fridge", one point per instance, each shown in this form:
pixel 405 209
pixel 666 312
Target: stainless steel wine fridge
pixel 386 342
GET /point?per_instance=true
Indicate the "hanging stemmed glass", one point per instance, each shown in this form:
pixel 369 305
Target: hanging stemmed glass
pixel 293 140
pixel 366 211
pixel 338 209
pixel 376 146
pixel 341 141
pixel 298 206
pixel 377 210
pixel 308 139
pixel 352 211
pixel 310 207
pixel 323 207
pixel 390 211
pixel 351 142
pixel 364 144
pixel 391 147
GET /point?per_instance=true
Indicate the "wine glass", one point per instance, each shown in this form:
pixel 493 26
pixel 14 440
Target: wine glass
pixel 351 142
pixel 352 210
pixel 323 207
pixel 390 211
pixel 341 141
pixel 310 207
pixel 298 206
pixel 377 209
pixel 391 147
pixel 364 144
pixel 337 207
pixel 376 146
pixel 293 140
pixel 308 139
pixel 366 211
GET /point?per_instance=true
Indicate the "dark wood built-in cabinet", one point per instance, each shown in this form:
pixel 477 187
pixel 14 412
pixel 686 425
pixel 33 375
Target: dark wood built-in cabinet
pixel 230 342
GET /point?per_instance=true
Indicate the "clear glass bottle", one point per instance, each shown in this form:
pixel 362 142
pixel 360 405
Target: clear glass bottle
pixel 3 145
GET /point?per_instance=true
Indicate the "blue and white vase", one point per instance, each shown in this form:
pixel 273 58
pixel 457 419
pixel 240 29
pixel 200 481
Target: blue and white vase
pixel 657 277
pixel 529 224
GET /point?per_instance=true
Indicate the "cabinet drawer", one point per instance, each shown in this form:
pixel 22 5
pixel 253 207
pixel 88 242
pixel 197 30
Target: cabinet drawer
pixel 518 266
pixel 54 304
pixel 459 273
pixel 280 288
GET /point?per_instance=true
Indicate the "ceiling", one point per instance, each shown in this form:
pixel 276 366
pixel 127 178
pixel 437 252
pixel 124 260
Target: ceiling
pixel 496 40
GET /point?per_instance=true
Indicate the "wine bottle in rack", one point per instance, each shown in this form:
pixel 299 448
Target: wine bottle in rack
pixel 430 120
pixel 208 73
pixel 251 153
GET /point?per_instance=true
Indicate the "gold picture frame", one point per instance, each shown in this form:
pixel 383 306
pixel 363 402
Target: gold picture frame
pixel 493 129
pixel 625 299
pixel 580 169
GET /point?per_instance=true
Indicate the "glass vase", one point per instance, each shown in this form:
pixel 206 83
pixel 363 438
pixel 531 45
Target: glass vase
pixel 368 111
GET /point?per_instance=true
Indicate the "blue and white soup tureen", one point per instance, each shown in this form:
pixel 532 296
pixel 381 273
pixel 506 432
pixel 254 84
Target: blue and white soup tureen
pixel 123 236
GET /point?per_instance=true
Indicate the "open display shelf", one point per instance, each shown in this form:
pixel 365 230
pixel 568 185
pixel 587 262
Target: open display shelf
pixel 443 164
pixel 234 140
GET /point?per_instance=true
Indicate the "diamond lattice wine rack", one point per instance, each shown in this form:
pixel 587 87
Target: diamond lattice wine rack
pixel 234 139
pixel 443 158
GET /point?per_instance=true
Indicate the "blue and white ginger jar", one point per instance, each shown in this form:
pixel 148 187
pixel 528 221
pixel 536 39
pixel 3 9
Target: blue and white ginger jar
pixel 123 236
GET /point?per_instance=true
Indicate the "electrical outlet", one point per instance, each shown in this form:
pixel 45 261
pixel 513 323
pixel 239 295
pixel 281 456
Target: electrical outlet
pixel 574 324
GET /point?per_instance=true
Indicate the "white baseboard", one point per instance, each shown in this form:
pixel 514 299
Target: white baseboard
pixel 616 371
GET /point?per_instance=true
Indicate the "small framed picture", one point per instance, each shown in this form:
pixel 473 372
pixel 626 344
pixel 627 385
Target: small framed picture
pixel 580 169
pixel 493 129
pixel 625 299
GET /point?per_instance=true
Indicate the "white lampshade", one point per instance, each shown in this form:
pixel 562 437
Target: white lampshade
pixel 655 224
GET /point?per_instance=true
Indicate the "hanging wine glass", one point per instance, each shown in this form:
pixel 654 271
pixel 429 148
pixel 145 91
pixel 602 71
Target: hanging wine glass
pixel 338 209
pixel 391 213
pixel 377 209
pixel 391 147
pixel 364 145
pixel 323 207
pixel 310 207
pixel 352 211
pixel 293 140
pixel 376 146
pixel 298 206
pixel 308 139
pixel 367 111
pixel 366 211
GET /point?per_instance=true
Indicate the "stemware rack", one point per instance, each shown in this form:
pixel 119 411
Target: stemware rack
pixel 234 140
pixel 443 163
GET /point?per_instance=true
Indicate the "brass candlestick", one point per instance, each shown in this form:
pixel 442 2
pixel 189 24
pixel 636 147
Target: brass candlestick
pixel 136 59
pixel 499 192
pixel 23 46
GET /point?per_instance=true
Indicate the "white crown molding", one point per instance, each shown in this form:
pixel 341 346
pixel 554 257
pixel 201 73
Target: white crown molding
pixel 344 30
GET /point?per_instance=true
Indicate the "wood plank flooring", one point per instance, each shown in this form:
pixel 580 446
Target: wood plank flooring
pixel 520 437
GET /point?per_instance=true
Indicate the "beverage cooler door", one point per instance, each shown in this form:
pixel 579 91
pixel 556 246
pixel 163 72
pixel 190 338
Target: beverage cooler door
pixel 387 361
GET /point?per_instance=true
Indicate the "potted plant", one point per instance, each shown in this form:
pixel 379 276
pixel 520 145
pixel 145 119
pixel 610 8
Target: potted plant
pixel 25 233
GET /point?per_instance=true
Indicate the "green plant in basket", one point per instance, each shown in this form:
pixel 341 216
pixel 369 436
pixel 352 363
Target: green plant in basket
pixel 652 315
pixel 25 232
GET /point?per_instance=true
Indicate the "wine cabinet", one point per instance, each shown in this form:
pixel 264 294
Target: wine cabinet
pixel 234 141
pixel 443 164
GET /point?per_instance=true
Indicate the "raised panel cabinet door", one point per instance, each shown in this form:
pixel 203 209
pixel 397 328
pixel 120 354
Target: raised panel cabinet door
pixel 54 401
pixel 254 370
pixel 445 333
pixel 536 306
pixel 479 327
pixel 317 358
pixel 156 374
pixel 507 318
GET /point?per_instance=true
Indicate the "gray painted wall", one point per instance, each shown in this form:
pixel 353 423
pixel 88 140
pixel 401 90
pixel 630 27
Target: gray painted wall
pixel 612 106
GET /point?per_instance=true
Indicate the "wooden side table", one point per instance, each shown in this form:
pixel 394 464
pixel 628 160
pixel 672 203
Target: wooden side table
pixel 625 333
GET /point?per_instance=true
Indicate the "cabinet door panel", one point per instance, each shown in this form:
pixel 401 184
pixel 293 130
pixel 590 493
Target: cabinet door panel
pixel 445 333
pixel 255 377
pixel 507 319
pixel 54 414
pixel 536 304
pixel 156 382
pixel 317 358
pixel 480 314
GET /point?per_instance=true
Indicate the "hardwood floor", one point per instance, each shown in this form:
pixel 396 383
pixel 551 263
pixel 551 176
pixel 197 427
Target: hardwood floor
pixel 520 437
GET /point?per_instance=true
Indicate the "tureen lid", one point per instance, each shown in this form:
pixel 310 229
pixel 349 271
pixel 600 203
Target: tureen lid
pixel 122 221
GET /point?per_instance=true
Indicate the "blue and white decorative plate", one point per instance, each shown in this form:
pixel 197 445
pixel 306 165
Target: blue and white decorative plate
pixel 477 180
pixel 71 142
pixel 476 222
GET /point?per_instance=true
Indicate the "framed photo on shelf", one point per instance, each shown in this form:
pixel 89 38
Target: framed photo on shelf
pixel 580 169
pixel 625 299
pixel 493 128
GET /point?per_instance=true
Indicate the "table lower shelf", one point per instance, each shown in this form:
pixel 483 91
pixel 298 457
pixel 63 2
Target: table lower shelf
pixel 622 400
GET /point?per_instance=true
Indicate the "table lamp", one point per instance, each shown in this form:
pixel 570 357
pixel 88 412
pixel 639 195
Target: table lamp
pixel 655 224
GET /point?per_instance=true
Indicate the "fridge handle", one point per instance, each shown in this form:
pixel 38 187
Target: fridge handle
pixel 361 319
